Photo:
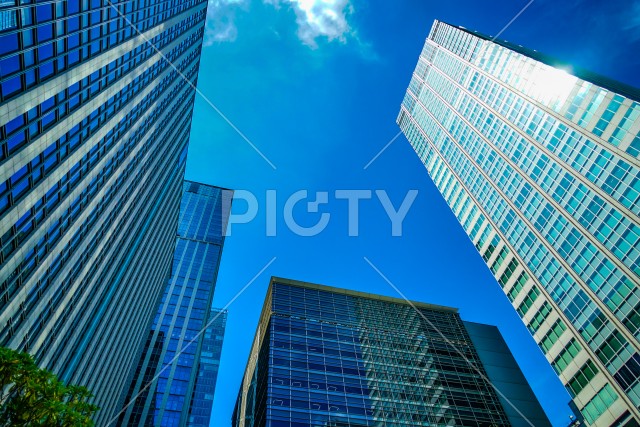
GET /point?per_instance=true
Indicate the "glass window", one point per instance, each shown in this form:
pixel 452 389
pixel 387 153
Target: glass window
pixel 599 403
pixel 44 12
pixel 11 86
pixel 552 335
pixel 580 380
pixel 45 33
pixel 528 301
pixel 9 65
pixel 8 43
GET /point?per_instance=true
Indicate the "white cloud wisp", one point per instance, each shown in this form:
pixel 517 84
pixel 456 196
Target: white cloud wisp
pixel 220 26
pixel 319 18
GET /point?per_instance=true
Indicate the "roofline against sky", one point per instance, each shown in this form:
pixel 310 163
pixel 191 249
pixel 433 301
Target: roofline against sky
pixel 358 294
pixel 604 82
pixel 209 185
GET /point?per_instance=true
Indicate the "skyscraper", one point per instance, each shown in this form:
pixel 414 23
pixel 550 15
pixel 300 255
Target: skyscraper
pixel 324 356
pixel 185 340
pixel 540 166
pixel 205 384
pixel 94 126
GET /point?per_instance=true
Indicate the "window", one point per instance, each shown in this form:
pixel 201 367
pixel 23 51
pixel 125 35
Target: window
pixel 517 287
pixel 539 318
pixel 552 335
pixel 9 65
pixel 582 378
pixel 634 148
pixel 610 347
pixel 611 110
pixel 11 87
pixel 627 121
pixel 500 259
pixel 600 403
pixel 44 12
pixel 528 301
pixel 565 357
pixel 598 96
pixel 508 272
pixel 8 43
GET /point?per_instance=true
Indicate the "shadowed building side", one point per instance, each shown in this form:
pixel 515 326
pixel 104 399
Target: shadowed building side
pixel 522 407
pixel 173 382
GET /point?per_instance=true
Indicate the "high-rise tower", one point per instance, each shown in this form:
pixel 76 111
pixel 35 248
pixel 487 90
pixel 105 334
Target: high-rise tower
pixel 540 166
pixel 325 356
pixel 173 381
pixel 96 99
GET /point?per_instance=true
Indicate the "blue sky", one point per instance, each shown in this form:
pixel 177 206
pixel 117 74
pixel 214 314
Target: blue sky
pixel 317 89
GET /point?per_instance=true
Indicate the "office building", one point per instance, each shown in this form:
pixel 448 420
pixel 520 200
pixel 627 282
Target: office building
pixel 94 126
pixel 539 163
pixel 173 381
pixel 324 356
pixel 200 413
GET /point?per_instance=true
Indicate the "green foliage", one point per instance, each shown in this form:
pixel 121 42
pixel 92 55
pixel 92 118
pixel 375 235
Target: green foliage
pixel 30 396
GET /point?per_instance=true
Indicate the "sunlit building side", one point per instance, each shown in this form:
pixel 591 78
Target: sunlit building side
pixel 540 165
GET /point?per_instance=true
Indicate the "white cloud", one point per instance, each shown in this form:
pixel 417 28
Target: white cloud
pixel 220 26
pixel 319 18
pixel 315 19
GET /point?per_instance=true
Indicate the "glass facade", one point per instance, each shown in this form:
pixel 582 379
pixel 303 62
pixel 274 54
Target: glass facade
pixel 208 367
pixel 330 357
pixel 183 356
pixel 94 127
pixel 541 167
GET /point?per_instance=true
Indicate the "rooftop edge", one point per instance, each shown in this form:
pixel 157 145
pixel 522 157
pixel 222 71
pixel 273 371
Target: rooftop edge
pixel 377 297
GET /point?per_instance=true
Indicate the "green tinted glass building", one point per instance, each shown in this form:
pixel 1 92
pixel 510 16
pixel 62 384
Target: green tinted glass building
pixel 325 356
pixel 540 164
